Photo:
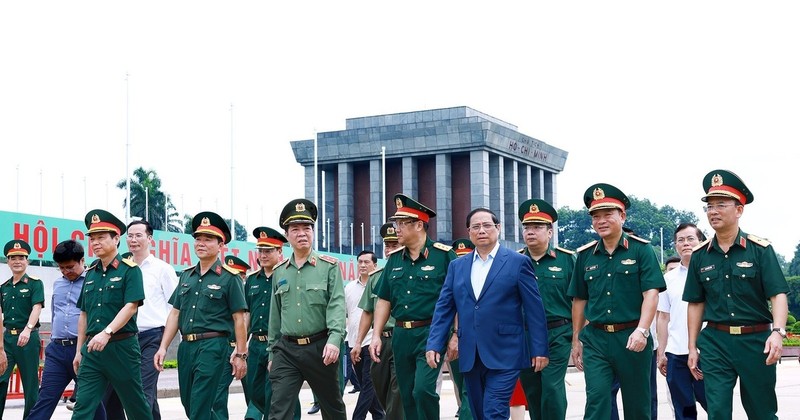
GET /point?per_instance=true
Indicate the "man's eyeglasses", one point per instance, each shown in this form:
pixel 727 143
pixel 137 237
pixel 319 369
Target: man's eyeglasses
pixel 686 239
pixel 717 207
pixel 484 226
pixel 402 223
pixel 534 226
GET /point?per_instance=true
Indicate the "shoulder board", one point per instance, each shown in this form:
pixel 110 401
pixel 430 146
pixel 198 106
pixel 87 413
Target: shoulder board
pixel 378 270
pixel 328 259
pixel 642 240
pixel 94 263
pixel 285 261
pixel 758 240
pixel 587 246
pixel 565 250
pixel 30 277
pixel 130 263
pixel 521 250
pixel 228 268
pixel 701 245
pixel 397 250
pixel 443 247
pixel 188 268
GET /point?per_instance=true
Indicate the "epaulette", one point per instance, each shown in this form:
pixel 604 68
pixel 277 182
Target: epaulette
pixel 521 250
pixel 396 250
pixel 565 250
pixel 377 270
pixel 701 245
pixel 30 277
pixel 285 261
pixel 329 259
pixel 188 268
pixel 130 263
pixel 758 240
pixel 587 246
pixel 443 247
pixel 231 270
pixel 94 264
pixel 642 240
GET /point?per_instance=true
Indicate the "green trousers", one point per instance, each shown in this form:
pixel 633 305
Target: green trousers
pixel 119 364
pixel 220 407
pixel 200 369
pixel 604 356
pixel 256 386
pixel 26 359
pixel 725 358
pixel 546 391
pixel 384 380
pixel 416 380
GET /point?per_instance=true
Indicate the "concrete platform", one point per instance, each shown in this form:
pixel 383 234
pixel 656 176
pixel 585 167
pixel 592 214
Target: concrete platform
pixel 787 387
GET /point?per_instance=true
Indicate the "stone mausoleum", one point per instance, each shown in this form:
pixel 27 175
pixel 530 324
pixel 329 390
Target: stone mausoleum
pixel 451 159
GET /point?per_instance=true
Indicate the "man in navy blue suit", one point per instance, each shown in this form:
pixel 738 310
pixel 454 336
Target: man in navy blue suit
pixel 494 292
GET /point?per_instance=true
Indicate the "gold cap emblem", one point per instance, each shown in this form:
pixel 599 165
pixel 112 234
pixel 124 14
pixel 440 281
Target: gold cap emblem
pixel 598 194
pixel 398 202
pixel 300 207
pixel 17 246
pixel 95 219
pixel 461 245
pixel 205 222
pixel 263 235
pixel 230 262
pixel 390 230
pixel 534 208
pixel 716 180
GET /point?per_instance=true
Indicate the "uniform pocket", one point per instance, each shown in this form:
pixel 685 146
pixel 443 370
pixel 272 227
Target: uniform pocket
pixel 316 294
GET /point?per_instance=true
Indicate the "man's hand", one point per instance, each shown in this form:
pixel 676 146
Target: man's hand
pixel 636 341
pixel 433 358
pixel 98 342
pixel 330 354
pixel 375 349
pixel 238 367
pixel 662 365
pixel 577 354
pixel 355 355
pixel 539 363
pixel 773 348
pixel 452 348
pixel 158 359
pixel 693 362
pixel 76 362
pixel 3 361
pixel 24 337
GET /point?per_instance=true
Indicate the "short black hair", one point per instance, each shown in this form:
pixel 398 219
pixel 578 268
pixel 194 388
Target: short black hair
pixel 365 252
pixel 495 220
pixel 672 259
pixel 69 250
pixel 700 236
pixel 147 226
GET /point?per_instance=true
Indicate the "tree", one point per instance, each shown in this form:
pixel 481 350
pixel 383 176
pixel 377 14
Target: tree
pixel 149 202
pixel 240 235
pixel 794 266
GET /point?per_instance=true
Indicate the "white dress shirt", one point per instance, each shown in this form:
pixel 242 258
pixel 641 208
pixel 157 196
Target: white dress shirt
pixel 480 269
pixel 352 295
pixel 160 281
pixel 671 301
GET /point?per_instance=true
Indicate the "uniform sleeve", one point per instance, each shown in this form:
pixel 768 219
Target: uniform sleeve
pixel 650 275
pixel 774 283
pixel 274 329
pixel 335 312
pixel 134 286
pixel 693 290
pixel 367 302
pixel 38 293
pixel 535 318
pixel 236 301
pixel 79 303
pixel 382 288
pixel 577 286
pixel 247 285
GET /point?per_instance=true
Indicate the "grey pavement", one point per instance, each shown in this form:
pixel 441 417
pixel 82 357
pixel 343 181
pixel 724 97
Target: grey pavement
pixel 787 387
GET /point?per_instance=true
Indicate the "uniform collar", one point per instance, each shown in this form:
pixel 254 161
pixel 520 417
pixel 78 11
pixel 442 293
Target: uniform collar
pixel 24 279
pixel 623 242
pixel 425 249
pixel 215 268
pixel 312 259
pixel 741 240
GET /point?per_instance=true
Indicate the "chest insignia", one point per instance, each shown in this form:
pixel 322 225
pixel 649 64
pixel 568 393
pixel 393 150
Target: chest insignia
pixel 214 286
pixel 397 268
pixel 255 286
pixel 554 268
pixel 115 279
pixel 591 268
pixel 707 268
pixel 628 262
pixel 24 290
pixel 427 268
pixel 90 282
pixel 281 282
pixel 744 264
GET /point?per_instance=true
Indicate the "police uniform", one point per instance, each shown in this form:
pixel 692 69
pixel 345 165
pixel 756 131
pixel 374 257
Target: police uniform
pixel 383 374
pixel 412 288
pixel 612 286
pixel 546 391
pixel 735 288
pixel 18 300
pixel 461 247
pixel 207 302
pixel 106 291
pixel 220 407
pixel 307 312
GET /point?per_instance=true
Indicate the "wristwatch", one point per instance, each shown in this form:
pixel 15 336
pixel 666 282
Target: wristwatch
pixel 30 327
pixel 242 356
pixel 645 332
pixel 108 331
pixel 781 331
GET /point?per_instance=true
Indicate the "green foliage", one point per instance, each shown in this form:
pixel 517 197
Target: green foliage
pixel 647 220
pixel 148 201
pixel 170 364
pixel 794 328
pixel 793 297
pixel 794 266
pixel 790 320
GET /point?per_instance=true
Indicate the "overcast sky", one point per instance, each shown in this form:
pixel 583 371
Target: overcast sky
pixel 646 96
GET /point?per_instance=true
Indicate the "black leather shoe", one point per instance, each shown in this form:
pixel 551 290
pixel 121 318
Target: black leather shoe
pixel 354 390
pixel 314 409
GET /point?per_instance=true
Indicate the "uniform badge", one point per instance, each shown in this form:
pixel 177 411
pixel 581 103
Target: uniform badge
pixel 397 268
pixel 95 219
pixel 398 202
pixel 17 245
pixel 300 207
pixel 534 208
pixel 90 282
pixel 390 230
pixel 115 279
pixel 205 222
pixel 554 268
pixel 281 282
pixel 591 268
pixel 716 180
pixel 428 268
pixel 744 264
pixel 263 235
pixel 214 286
pixel 24 290
pixel 628 262
pixel 707 268
pixel 598 193
pixel 255 286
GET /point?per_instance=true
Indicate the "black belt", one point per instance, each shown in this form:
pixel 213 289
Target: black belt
pixel 555 324
pixel 260 337
pixel 612 328
pixel 306 339
pixel 16 331
pixel 738 330
pixel 387 333
pixel 412 324
pixel 203 335
pixel 114 337
pixel 64 341
pixel 151 331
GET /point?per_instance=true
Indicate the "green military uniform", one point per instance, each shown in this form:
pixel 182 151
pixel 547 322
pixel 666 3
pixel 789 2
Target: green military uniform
pixel 546 390
pixel 612 284
pixel 258 292
pixel 461 247
pixel 207 302
pixel 412 288
pixel 736 287
pixel 307 312
pixel 17 301
pixel 106 290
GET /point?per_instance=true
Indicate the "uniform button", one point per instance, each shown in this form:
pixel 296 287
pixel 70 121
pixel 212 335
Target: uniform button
pixel 104 274
pixel 97 320
pixel 726 276
pixel 726 256
pixel 201 280
pixel 732 314
pixel 626 271
pixel 590 277
pixel 405 306
pixel 260 317
pixel 196 293
pixel 409 277
pixel 298 287
pixel 100 289
pixel 743 276
pixel 193 306
pixel 476 306
pixel 299 320
pixel 608 293
pixel 708 278
pixel 263 304
pixel 729 295
pixel 609 274
pixel 609 311
pixel 191 320
pixel 609 257
pixel 409 292
pixel 98 304
pixel 298 303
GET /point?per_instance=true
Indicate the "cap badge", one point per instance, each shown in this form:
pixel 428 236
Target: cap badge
pixel 263 235
pixel 461 245
pixel 390 230
pixel 205 222
pixel 398 202
pixel 300 207
pixel 534 208
pixel 95 219
pixel 16 245
pixel 716 180
pixel 598 193
pixel 230 262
